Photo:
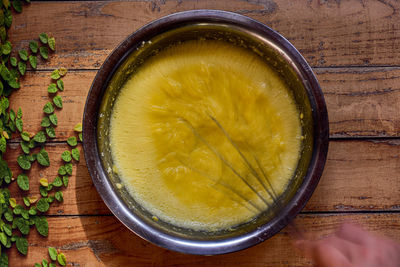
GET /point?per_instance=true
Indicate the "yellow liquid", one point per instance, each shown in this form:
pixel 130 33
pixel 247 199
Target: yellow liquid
pixel 174 158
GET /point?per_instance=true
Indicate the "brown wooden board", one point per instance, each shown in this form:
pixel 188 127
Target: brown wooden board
pixel 353 47
pixel 327 33
pixel 104 241
pixel 361 101
pixel 359 176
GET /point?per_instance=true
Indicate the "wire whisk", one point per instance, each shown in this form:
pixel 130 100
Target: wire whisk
pixel 260 176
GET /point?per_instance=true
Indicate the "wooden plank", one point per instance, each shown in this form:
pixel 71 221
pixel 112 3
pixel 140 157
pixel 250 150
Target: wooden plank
pixel 104 241
pixel 359 176
pixel 327 33
pixel 80 197
pixel 33 95
pixel 360 101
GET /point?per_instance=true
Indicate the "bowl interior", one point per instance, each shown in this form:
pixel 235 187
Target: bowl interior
pixel 267 49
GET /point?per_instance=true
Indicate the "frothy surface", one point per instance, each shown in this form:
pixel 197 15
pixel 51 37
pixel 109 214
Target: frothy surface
pixel 162 128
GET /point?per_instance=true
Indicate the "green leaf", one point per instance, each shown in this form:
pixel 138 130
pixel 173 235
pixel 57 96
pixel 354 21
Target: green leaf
pixel 32 157
pixel 50 199
pixel 13 61
pixel 72 141
pixel 43 37
pixel 62 171
pixel 26 201
pixel 52 43
pixel 43 191
pixel 39 137
pixel 63 71
pixel 3 144
pixel 55 75
pixel 59 196
pixel 42 205
pixel 75 154
pixel 57 182
pixel 17 5
pixel 57 100
pixel 7 229
pixel 78 127
pixel 13 202
pixel 48 108
pixel 33 61
pixel 13 83
pixel 62 260
pixel 53 119
pixel 23 182
pixel 45 263
pixel 22 225
pixel 53 253
pixel 23 162
pixel 66 156
pixel 5 73
pixel 52 88
pixel 12 114
pixel 17 209
pixel 23 54
pixel 33 45
pixel 25 214
pixel 51 132
pixel 42 226
pixel 6 4
pixel 19 113
pixel 3 33
pixel 32 144
pixel 22 67
pixel 8 18
pixel 3 238
pixel 9 216
pixel 44 182
pixel 45 122
pixel 65 181
pixel 52 264
pixel 22 245
pixel 44 52
pixel 25 136
pixel 43 158
pixel 60 84
pixel 38 265
pixel 32 211
pixel 19 124
pixel 6 48
pixel 80 137
pixel 68 168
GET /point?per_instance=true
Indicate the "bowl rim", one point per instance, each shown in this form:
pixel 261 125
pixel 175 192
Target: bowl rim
pixel 117 205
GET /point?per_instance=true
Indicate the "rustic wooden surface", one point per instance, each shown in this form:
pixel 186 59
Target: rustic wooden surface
pixel 353 47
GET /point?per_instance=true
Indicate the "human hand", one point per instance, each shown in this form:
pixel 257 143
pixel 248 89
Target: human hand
pixel 352 246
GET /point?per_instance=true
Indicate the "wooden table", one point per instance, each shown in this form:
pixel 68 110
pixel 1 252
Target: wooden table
pixel 354 49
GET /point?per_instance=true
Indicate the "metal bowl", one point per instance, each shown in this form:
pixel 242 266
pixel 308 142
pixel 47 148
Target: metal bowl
pixel 213 25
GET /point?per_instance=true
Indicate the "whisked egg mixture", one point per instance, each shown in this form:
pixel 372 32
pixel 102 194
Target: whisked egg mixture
pixel 170 152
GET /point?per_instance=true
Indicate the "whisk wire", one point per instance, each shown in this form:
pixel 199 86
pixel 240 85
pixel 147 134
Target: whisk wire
pixel 226 186
pixel 222 158
pixel 294 229
pixel 251 168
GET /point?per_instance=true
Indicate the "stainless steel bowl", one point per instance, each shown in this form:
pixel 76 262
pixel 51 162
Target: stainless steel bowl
pixel 213 25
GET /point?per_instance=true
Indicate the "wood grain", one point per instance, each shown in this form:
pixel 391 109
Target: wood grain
pixel 104 241
pixel 327 33
pixel 359 176
pixel 360 101
pixel 353 47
